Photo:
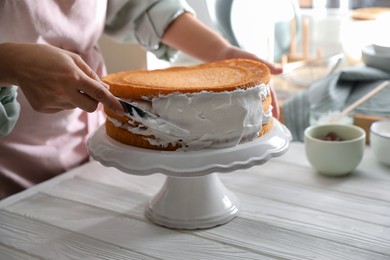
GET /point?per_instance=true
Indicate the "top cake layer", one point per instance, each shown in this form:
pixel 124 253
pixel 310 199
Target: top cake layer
pixel 226 75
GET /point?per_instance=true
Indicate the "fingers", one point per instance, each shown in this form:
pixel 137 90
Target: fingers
pixel 240 53
pixel 275 70
pixel 275 104
pixel 78 99
pixel 276 111
pixel 52 108
pixel 93 90
pixel 98 92
pixel 84 102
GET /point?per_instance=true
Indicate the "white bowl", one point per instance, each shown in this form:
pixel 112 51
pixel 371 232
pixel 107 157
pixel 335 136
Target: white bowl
pixel 381 48
pixel 334 158
pixel 374 59
pixel 380 140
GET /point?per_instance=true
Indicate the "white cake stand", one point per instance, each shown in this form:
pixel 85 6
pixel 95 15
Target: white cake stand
pixel 192 197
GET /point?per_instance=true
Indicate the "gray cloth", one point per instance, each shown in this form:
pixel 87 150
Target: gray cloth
pixel 334 93
pixel 144 22
pixel 9 109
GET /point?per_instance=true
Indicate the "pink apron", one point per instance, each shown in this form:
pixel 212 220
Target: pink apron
pixel 44 145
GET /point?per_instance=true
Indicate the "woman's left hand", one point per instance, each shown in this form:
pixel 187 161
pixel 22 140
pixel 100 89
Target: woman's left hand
pixel 190 35
pixel 234 52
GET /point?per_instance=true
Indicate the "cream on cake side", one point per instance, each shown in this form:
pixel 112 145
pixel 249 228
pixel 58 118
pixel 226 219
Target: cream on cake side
pixel 214 119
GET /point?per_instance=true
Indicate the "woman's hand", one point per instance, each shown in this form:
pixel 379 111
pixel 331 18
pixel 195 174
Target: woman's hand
pixel 53 79
pixel 234 52
pixel 191 36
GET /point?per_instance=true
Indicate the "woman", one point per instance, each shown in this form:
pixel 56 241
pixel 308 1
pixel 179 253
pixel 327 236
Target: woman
pixel 50 52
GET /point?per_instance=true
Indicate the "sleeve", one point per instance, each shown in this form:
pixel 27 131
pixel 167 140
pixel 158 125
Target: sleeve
pixel 9 109
pixel 144 22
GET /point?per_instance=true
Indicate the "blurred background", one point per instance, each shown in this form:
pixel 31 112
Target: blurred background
pixel 313 40
pixel 322 27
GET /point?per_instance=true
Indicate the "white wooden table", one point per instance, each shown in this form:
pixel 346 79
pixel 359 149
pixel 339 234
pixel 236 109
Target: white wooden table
pixel 288 211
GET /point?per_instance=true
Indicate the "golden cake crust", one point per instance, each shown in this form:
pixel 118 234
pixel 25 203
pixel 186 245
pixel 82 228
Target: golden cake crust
pixel 226 75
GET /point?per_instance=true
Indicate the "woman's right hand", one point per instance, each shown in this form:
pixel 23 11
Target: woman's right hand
pixel 53 79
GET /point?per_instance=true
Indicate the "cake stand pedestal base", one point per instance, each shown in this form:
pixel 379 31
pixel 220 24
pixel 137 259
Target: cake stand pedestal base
pixel 192 196
pixel 192 203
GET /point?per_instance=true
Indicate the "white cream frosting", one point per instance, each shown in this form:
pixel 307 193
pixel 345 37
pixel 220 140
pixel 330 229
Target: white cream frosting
pixel 214 119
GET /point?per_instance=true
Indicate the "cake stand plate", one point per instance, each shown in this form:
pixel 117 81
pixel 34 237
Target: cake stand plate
pixel 192 196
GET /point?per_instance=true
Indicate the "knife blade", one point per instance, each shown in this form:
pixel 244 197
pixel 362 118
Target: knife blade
pixel 151 120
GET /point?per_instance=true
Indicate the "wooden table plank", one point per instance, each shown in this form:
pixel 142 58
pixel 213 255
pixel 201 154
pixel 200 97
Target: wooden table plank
pixel 11 253
pixel 81 221
pixel 359 205
pixel 276 240
pixel 48 242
